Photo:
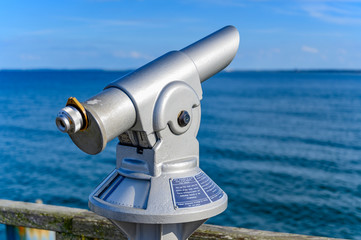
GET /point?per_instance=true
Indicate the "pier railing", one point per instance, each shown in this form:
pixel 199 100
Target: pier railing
pixel 74 224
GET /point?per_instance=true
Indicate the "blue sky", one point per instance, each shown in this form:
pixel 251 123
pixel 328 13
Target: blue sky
pixel 111 34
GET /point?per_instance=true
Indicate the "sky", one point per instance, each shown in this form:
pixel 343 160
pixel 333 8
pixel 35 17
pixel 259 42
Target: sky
pixel 122 35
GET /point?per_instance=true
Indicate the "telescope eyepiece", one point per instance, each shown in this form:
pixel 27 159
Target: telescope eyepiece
pixel 69 120
pixel 63 124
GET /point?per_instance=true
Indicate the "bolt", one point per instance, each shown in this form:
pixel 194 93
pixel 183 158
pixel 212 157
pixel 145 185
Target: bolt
pixel 183 118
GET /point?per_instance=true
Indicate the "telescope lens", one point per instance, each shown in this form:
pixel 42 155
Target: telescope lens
pixel 63 124
pixel 69 120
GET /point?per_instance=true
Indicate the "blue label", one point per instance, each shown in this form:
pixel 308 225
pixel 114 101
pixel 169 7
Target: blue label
pixel 211 188
pixel 194 191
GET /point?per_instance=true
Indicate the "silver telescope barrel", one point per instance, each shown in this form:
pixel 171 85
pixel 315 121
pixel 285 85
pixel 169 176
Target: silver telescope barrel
pixel 128 103
pixel 214 52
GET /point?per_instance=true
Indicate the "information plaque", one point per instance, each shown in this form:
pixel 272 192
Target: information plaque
pixel 194 191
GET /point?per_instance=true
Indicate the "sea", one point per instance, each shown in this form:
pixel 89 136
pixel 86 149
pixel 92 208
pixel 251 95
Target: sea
pixel 284 145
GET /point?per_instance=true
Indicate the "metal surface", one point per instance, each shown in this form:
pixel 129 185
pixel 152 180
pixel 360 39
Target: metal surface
pixel 214 52
pixel 155 203
pixel 69 120
pixel 180 231
pixel 110 113
pixel 157 190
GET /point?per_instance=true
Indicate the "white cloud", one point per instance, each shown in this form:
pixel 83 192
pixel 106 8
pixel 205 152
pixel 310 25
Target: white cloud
pixel 132 55
pixel 136 55
pixel 333 12
pixel 153 23
pixel 332 1
pixel 267 30
pixel 309 49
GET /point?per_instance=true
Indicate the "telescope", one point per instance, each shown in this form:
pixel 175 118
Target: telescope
pixel 157 190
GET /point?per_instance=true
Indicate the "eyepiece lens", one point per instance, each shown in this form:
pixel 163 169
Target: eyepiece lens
pixel 62 123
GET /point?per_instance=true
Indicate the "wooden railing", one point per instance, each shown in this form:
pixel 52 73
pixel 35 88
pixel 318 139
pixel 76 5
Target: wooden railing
pixel 73 223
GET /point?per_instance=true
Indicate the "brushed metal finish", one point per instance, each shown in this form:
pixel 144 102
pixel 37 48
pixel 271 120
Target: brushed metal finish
pixel 110 113
pixel 69 120
pixel 214 52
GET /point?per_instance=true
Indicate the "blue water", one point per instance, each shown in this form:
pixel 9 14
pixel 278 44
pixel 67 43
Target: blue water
pixel 285 146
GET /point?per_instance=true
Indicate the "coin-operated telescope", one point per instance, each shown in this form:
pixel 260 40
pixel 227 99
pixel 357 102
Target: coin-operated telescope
pixel 157 190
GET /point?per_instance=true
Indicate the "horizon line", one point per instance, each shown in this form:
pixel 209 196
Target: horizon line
pixel 225 70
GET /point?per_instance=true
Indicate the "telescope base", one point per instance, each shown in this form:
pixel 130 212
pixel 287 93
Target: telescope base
pixel 141 231
pixel 167 207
